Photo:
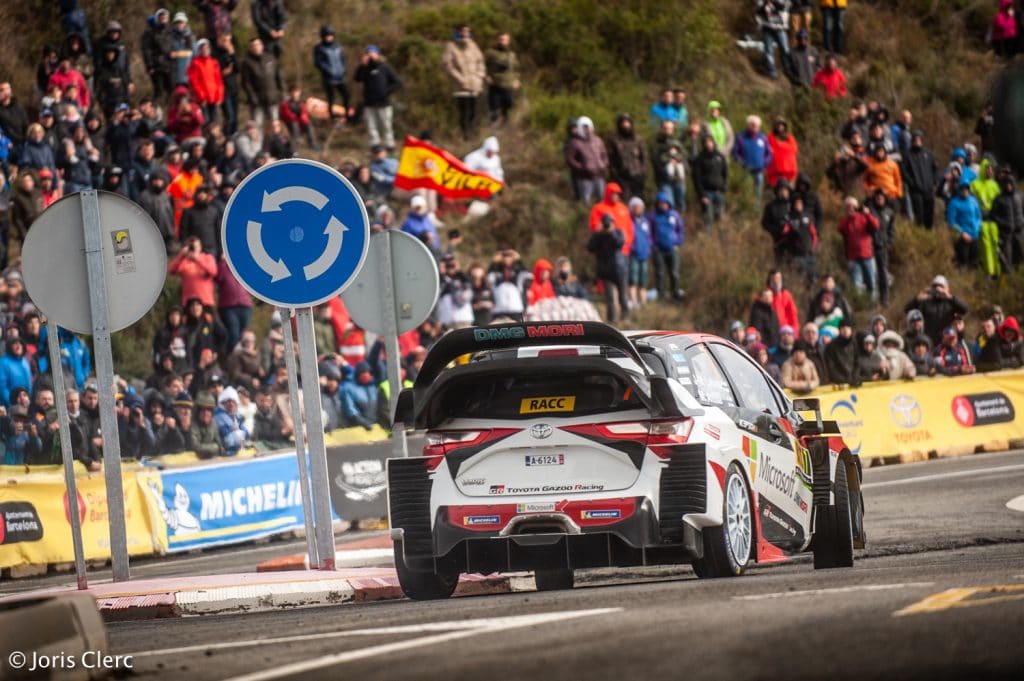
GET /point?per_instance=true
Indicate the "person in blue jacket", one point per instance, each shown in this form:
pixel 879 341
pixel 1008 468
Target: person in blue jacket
pixel 15 371
pixel 753 152
pixel 329 59
pixel 419 223
pixel 667 234
pixel 963 215
pixel 230 424
pixel 639 253
pixel 359 398
pixel 74 357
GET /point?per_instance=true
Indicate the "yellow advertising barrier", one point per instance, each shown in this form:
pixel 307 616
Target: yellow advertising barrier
pixel 35 526
pixel 937 414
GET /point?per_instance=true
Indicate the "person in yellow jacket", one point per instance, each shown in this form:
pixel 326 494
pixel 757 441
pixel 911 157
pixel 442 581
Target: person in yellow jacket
pixel 832 15
pixel 986 189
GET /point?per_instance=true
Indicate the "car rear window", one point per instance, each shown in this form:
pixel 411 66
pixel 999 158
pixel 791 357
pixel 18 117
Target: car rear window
pixel 548 395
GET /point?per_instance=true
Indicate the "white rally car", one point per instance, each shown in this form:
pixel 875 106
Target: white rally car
pixel 561 446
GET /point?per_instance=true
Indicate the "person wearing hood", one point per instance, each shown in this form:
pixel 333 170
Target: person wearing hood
pixel 1011 348
pixel 627 157
pixel 812 201
pixel 764 319
pixel 986 350
pixel 541 287
pixel 841 363
pixel 75 360
pixel 202 221
pixel 135 431
pixel 464 64
pixel 112 38
pixel 639 253
pixel 775 218
pixel 565 282
pixel 986 189
pixel 1004 30
pixel 359 398
pixel 963 215
pixel 607 243
pixel 669 160
pixel 898 364
pixel 798 373
pixel 883 173
pixel 487 159
pixel 419 224
pixel 718 127
pixel 618 211
pixel 112 80
pixel 503 79
pixel 871 363
pixel 883 239
pixel 155 200
pixel 753 152
pixel 784 154
pixel 230 424
pixel 587 159
pixel 920 173
pixel 329 60
pixel 1007 212
pixel 711 178
pixel 15 371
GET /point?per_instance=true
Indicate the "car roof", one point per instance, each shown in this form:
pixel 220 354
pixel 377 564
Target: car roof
pixel 690 337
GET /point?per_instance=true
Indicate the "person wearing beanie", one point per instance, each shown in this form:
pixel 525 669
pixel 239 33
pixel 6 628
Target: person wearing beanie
pixel 870 362
pixel 1011 347
pixel 764 318
pixel 379 82
pixel 204 75
pixel 329 60
pixel 358 397
pixel 639 252
pixel 627 157
pixel 503 78
pixel 718 127
pixel 949 357
pixel 920 179
pixel 784 164
pixel 204 433
pixel 799 373
pixel 419 224
pixel 618 211
pixel 587 159
pixel 710 178
pixel 841 353
pixel 606 243
pixel 737 332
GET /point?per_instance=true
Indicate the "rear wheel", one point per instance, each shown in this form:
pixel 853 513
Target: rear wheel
pixel 424 585
pixel 833 539
pixel 554 580
pixel 729 548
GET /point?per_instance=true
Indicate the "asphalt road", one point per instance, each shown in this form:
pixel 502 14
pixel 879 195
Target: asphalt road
pixel 939 594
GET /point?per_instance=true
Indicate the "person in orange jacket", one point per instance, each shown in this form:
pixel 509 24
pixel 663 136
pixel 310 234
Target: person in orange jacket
pixel 206 80
pixel 613 206
pixel 785 150
pixel 883 173
pixel 183 188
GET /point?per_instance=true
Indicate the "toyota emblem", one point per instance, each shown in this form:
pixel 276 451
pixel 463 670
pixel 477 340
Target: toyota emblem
pixel 541 431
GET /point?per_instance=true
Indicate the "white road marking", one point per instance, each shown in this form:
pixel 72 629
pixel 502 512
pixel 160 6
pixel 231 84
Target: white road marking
pixel 835 590
pixel 462 629
pixel 1016 504
pixel 943 476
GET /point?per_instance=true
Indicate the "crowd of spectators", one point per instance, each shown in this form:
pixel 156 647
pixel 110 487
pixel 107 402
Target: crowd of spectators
pixel 180 143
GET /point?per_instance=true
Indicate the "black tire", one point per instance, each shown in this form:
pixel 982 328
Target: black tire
pixel 833 545
pixel 423 585
pixel 720 559
pixel 558 579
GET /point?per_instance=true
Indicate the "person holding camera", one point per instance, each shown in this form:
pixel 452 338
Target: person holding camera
pixel 198 271
pixel 606 245
pixel 937 305
pixel 858 227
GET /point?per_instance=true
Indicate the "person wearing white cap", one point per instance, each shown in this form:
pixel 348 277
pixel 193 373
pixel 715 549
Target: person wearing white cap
pixel 419 223
pixel 937 306
pixel 587 159
pixel 487 159
pixel 182 45
pixel 229 422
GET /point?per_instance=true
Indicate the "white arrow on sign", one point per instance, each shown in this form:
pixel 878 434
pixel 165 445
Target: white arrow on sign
pixel 272 201
pixel 275 268
pixel 335 232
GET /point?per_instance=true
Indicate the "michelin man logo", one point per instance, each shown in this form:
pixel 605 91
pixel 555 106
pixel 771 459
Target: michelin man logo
pixel 179 519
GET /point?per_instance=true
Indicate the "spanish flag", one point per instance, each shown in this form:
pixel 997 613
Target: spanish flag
pixel 424 165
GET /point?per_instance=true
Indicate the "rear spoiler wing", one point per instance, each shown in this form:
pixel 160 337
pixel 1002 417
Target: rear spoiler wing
pixel 460 342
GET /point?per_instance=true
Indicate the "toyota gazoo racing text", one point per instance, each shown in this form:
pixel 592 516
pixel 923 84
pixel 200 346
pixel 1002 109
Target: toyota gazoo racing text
pixel 561 446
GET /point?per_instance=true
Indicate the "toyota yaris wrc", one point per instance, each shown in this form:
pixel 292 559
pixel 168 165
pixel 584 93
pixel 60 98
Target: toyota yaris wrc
pixel 561 446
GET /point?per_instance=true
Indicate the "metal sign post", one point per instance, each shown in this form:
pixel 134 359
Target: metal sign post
pixel 390 333
pixel 105 377
pixel 319 478
pixel 300 441
pixel 66 452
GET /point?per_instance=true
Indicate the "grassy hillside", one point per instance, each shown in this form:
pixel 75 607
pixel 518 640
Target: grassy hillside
pixel 587 57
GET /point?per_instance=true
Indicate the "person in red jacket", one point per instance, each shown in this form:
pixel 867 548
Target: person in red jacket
pixel 613 205
pixel 197 270
pixel 294 114
pixel 184 118
pixel 830 79
pixel 782 301
pixel 65 76
pixel 541 287
pixel 858 227
pixel 206 80
pixel 785 150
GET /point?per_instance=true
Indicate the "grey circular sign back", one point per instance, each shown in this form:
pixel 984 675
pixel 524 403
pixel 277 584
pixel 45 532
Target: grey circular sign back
pixel 54 262
pixel 416 284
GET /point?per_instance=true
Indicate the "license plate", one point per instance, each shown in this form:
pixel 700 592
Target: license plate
pixel 545 459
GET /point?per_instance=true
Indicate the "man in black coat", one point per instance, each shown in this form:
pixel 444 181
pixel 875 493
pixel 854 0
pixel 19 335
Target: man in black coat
pixel 270 19
pixel 841 357
pixel 775 218
pixel 261 80
pixel 627 157
pixel 937 306
pixel 379 82
pixel 13 118
pixel 606 245
pixel 711 177
pixel 764 319
pixel 1008 214
pixel 920 178
pixel 155 200
pixel 202 220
